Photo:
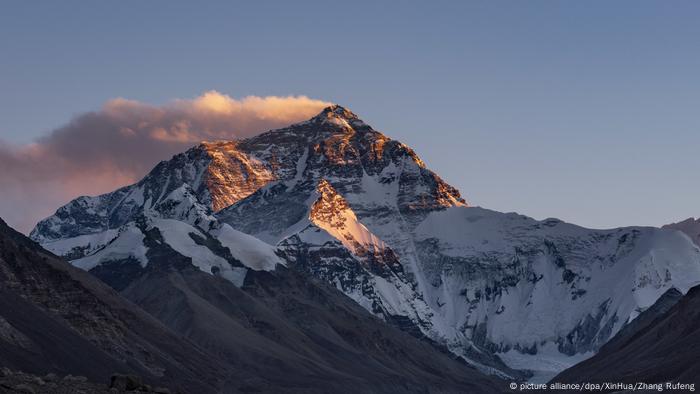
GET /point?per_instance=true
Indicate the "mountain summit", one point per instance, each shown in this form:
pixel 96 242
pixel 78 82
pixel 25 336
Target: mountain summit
pixel 337 111
pixel 337 200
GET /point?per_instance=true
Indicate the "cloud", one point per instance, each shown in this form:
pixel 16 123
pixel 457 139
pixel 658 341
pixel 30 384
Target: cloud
pixel 100 151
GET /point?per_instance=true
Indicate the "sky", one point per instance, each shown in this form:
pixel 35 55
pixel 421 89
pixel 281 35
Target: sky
pixel 585 111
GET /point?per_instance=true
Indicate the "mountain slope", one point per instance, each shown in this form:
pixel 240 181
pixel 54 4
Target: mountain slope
pixel 269 331
pixel 277 331
pixel 665 349
pixel 283 333
pixel 690 227
pixel 56 318
pixel 340 201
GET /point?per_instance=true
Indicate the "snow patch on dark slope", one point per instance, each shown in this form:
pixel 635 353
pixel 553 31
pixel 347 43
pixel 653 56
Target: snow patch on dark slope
pixel 339 200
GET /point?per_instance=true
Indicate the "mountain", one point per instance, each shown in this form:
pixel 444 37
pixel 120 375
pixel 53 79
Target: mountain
pixel 334 199
pixel 690 227
pixel 661 349
pixel 279 332
pixel 55 318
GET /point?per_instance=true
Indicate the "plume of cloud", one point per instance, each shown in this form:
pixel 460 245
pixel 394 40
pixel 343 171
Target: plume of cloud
pixel 100 151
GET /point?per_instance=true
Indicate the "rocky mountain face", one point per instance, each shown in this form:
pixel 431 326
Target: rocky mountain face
pixel 661 348
pixel 335 199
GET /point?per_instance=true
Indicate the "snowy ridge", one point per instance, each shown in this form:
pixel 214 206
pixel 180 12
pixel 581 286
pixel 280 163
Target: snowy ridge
pixel 180 221
pixel 126 244
pixel 332 213
pixel 333 245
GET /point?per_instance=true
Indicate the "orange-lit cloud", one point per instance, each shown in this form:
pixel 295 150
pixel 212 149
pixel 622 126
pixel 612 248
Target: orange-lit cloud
pixel 99 151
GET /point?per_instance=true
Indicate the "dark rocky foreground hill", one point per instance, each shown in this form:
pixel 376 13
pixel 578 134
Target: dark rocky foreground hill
pixel 55 318
pixel 25 383
pixel 662 345
pixel 279 332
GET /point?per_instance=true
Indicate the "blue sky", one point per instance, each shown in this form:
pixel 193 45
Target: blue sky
pixel 586 111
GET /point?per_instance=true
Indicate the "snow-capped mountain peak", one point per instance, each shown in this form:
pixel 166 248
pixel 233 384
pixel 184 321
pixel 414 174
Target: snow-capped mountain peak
pixel 338 115
pixel 338 200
